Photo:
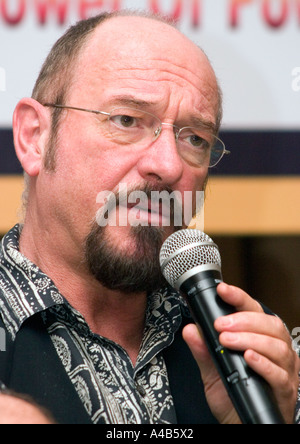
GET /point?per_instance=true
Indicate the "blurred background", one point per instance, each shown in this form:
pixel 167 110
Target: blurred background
pixel 252 207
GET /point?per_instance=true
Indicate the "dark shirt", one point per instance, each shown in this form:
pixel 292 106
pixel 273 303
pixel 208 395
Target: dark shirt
pixel 51 354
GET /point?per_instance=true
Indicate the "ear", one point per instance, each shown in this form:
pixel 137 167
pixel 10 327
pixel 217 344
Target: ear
pixel 31 126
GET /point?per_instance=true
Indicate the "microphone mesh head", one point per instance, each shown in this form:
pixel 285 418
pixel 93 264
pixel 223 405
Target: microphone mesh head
pixel 184 250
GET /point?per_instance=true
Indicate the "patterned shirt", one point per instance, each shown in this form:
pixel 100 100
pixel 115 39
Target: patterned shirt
pixel 110 388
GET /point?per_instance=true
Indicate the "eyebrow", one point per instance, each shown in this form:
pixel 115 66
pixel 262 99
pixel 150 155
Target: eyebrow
pixel 128 100
pixel 205 124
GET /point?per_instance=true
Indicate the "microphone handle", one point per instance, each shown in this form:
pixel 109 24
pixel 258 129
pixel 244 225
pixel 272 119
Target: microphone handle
pixel 250 394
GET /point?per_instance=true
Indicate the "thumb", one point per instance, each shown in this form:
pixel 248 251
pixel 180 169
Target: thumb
pixel 192 336
pixel 215 392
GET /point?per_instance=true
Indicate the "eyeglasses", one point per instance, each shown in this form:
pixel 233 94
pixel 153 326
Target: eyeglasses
pixel 133 126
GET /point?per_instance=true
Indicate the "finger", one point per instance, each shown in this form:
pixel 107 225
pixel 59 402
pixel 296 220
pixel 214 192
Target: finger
pixel 283 384
pixel 275 375
pixel 275 350
pixel 238 298
pixel 253 322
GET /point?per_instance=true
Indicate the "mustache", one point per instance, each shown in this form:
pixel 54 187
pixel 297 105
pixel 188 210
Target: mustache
pixel 152 198
pixel 146 189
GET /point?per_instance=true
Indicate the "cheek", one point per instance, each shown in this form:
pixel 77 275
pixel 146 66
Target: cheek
pixel 195 186
pixel 85 158
pixel 90 171
pixel 195 179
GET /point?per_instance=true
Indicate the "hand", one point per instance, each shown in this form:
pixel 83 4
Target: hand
pixel 267 348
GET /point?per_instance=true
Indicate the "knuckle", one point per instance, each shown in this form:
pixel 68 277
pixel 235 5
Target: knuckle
pixel 285 351
pixel 278 324
pixel 286 382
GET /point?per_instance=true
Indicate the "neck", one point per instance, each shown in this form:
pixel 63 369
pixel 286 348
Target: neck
pixel 115 315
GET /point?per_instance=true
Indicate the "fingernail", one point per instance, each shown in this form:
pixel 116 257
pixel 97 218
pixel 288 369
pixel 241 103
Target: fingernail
pixel 254 356
pixel 223 286
pixel 225 322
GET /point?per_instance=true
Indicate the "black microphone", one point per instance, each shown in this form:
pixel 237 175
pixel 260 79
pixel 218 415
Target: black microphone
pixel 191 263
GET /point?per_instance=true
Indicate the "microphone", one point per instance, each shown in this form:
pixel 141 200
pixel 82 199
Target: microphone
pixel 191 263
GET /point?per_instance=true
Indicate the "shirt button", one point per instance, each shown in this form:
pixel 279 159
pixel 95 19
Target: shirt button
pixel 140 389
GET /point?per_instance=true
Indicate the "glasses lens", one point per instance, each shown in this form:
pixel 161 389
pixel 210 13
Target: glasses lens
pixel 129 125
pixel 133 126
pixel 217 152
pixel 199 147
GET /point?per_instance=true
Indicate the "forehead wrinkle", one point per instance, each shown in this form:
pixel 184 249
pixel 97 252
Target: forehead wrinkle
pixel 138 98
pixel 180 68
pixel 139 50
pixel 157 66
pixel 204 81
pixel 207 91
pixel 153 63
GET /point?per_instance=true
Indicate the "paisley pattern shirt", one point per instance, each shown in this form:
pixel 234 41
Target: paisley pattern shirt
pixel 110 388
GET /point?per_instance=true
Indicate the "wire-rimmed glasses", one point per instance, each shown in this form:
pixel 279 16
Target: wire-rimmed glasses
pixel 126 125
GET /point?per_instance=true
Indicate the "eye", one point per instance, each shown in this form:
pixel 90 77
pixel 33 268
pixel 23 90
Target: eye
pixel 197 141
pixel 124 121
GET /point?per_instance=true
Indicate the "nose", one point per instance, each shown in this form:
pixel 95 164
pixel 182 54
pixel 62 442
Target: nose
pixel 161 162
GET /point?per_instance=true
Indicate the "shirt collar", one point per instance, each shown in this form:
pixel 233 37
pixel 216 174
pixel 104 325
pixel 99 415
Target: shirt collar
pixel 25 290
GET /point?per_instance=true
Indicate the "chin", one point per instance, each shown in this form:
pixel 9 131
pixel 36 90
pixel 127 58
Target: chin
pixel 126 258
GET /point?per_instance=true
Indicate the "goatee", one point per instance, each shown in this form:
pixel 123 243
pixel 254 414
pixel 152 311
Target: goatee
pixel 135 269
pixel 134 272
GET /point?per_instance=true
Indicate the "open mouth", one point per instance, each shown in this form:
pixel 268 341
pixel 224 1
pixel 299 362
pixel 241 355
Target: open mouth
pixel 148 213
pixel 155 208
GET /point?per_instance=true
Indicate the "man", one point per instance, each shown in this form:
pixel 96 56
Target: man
pixel 93 332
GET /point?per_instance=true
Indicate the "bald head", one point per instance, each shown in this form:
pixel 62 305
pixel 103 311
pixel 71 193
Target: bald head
pixel 130 34
pixel 134 33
